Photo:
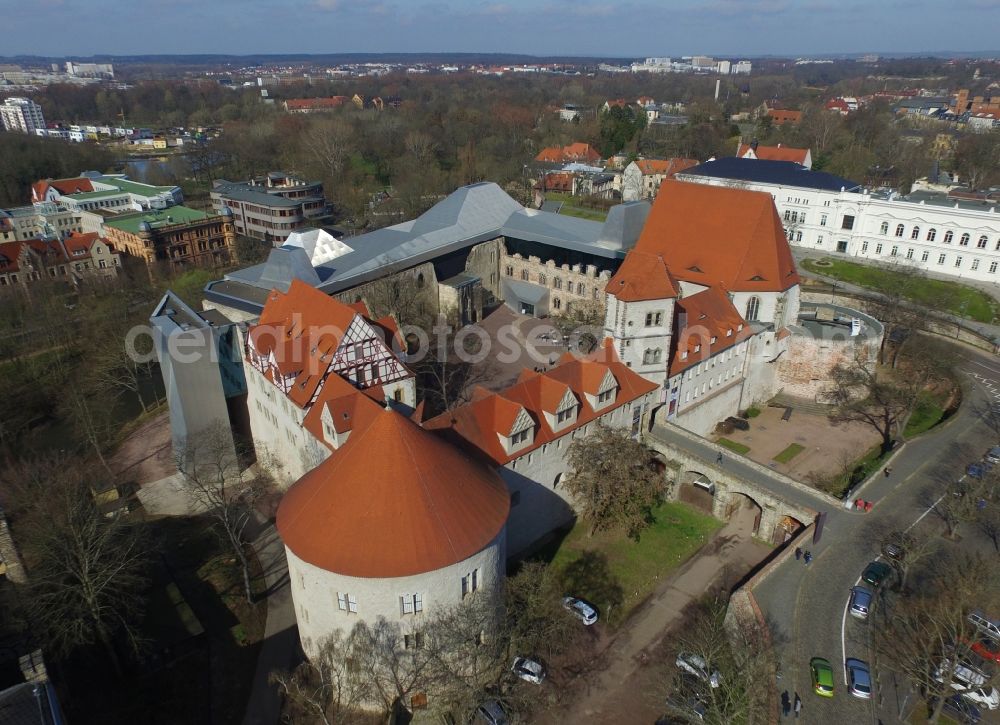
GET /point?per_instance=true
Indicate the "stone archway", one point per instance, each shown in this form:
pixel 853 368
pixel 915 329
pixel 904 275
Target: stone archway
pixel 738 501
pixel 786 528
pixel 698 490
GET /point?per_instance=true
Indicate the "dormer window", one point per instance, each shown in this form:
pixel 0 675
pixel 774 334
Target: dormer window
pixel 519 438
pixel 697 348
pixel 564 415
pixel 713 339
pixel 729 332
pixel 684 355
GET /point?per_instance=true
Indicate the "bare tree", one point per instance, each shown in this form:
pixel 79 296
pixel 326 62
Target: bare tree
pixel 892 306
pixel 926 634
pixel 737 660
pixel 86 580
pixel 329 140
pixel 214 477
pixel 393 662
pixel 614 481
pixel 960 502
pixel 329 685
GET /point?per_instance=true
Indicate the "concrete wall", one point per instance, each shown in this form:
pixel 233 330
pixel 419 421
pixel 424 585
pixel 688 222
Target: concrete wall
pixel 315 593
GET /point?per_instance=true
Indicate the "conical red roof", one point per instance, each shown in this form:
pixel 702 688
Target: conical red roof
pixel 394 501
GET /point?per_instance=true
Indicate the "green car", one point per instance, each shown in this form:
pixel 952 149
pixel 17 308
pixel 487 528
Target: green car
pixel 822 676
pixel 876 573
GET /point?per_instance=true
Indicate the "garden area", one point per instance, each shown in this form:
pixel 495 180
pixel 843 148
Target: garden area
pixel 952 297
pixel 580 206
pixel 617 573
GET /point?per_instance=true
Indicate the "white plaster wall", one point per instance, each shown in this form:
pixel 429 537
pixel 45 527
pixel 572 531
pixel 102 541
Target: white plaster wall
pixel 315 591
pixel 625 323
pixel 539 504
pixel 700 416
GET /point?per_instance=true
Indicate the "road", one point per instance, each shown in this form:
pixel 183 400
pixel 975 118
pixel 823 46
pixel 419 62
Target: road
pixel 805 606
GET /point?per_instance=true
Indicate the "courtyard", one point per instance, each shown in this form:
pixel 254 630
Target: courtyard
pixel 806 447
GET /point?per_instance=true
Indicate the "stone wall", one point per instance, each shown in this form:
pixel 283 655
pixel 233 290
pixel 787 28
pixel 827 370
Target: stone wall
pixel 569 284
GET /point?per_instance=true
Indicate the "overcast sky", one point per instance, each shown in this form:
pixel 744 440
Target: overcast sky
pixel 538 27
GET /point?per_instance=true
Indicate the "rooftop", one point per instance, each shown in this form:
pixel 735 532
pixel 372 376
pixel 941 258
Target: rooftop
pixel 763 171
pixel 242 192
pixel 167 217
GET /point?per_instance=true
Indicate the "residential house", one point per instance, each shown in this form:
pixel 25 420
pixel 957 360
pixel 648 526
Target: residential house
pixel 577 151
pixel 315 105
pixel 753 150
pixel 641 179
pixel 272 207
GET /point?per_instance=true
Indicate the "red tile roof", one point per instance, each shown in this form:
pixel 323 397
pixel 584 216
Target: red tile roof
pixel 556 182
pixel 574 152
pixel 642 277
pixel 302 328
pixel 394 501
pixel 63 186
pixel 775 153
pixel 713 235
pixel 315 104
pixel 780 116
pixel 80 243
pixel 481 422
pixel 709 314
pixel 667 167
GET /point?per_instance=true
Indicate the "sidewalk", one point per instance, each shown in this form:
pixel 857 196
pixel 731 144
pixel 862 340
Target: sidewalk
pixel 613 695
pixel 280 650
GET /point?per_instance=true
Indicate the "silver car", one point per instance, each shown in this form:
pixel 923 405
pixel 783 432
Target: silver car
pixel 583 611
pixel 859 679
pixel 695 665
pixel 528 670
pixel 861 602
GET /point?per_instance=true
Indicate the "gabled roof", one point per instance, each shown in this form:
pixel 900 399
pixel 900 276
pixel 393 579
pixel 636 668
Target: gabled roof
pixel 82 243
pixel 780 116
pixel 78 185
pixel 713 235
pixel 642 277
pixel 775 153
pixel 302 330
pixel 708 314
pixel 349 409
pixel 311 104
pixel 393 501
pixel 667 167
pixel 481 423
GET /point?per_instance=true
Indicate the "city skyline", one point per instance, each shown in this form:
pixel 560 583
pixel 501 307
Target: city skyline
pixel 584 28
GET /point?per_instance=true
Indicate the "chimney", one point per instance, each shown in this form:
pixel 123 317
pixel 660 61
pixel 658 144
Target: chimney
pixel 33 667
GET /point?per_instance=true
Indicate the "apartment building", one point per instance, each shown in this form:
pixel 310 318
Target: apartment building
pixel 22 115
pixel 272 207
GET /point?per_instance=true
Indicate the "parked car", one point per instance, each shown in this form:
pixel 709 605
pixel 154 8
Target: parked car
pixel 987 697
pixel 958 708
pixel 987 648
pixel 528 670
pixel 859 679
pixel 970 683
pixel 695 665
pixel 989 627
pixel 894 550
pixel 492 713
pixel 584 611
pixel 822 676
pixel 860 602
pixel 993 454
pixel 876 573
pixel 976 470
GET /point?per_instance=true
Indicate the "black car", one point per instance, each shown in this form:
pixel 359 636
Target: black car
pixel 958 708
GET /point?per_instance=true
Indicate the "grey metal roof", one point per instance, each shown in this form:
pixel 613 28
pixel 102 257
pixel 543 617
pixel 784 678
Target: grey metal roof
pixel 931 198
pixel 240 192
pixel 766 171
pixel 29 704
pixel 469 216
pixel 525 291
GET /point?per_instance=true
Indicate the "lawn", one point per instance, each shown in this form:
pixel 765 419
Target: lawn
pixel 789 453
pixel 734 446
pixel 927 414
pixel 572 207
pixel 963 300
pixel 617 573
pixel 859 471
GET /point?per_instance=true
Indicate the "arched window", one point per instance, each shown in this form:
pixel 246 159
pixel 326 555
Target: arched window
pixel 884 229
pixel 556 480
pixel 580 289
pixel 981 244
pixel 524 275
pixel 557 303
pixel 964 241
pixel 753 309
pixel 899 230
pixel 948 236
pixel 931 234
pixel 915 234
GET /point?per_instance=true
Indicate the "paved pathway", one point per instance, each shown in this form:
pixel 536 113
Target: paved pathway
pixel 612 697
pixel 280 650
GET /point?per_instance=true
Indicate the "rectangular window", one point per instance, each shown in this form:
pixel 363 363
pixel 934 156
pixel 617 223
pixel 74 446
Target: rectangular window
pixel 347 602
pixel 993 267
pixel 958 261
pixel 864 247
pixel 975 264
pixel 470 583
pixel 909 253
pixel 822 220
pixel 848 222
pixel 878 249
pixel 411 603
pixel 941 258
pixel 924 256
pixel 894 251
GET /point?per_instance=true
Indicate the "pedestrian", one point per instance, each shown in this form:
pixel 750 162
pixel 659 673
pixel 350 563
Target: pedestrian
pixel 798 553
pixel 786 704
pixel 718 459
pixel 808 557
pixel 868 506
pixel 798 704
pixel 887 471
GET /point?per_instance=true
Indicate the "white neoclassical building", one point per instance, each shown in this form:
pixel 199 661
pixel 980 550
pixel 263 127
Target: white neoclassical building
pixel 931 230
pixel 397 523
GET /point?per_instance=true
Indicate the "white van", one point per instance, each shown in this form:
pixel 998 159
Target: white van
pixel 984 624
